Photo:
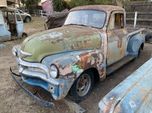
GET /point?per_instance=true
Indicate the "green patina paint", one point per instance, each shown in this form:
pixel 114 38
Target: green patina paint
pixel 58 40
pixel 76 69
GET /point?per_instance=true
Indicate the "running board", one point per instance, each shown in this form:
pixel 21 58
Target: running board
pixel 117 65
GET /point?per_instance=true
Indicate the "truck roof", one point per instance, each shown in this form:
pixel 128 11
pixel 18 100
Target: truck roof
pixel 106 8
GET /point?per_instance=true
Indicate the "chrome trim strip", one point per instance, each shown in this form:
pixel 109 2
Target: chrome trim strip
pixel 25 54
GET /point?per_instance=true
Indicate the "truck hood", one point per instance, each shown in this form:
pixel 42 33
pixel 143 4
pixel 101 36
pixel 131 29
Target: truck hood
pixel 63 39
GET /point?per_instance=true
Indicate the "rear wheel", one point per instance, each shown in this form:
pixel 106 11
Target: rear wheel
pixel 148 38
pixel 27 19
pixel 82 86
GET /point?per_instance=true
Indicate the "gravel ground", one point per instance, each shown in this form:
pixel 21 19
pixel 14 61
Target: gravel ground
pixel 14 100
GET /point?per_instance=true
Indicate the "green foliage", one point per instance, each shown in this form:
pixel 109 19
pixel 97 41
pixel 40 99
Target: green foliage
pixel 30 3
pixel 74 3
pixel 59 5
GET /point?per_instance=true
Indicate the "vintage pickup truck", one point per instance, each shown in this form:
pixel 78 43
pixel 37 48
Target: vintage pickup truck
pixel 92 43
pixel 133 95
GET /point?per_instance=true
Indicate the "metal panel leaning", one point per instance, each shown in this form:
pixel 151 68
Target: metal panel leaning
pixel 133 95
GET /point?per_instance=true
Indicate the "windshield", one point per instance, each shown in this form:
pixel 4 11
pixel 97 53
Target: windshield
pixel 90 18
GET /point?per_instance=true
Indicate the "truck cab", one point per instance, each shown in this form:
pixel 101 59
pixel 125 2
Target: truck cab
pixel 92 43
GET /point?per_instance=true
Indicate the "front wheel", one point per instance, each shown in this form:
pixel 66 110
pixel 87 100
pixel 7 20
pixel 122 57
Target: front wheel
pixel 82 86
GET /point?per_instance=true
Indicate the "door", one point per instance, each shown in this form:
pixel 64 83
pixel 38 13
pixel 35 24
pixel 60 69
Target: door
pixel 19 24
pixel 4 33
pixel 117 40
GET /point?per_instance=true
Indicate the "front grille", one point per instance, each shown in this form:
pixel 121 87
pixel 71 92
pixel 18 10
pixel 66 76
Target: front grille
pixel 36 70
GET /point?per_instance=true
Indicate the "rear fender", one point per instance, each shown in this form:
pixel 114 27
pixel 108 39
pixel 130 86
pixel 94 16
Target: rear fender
pixel 134 44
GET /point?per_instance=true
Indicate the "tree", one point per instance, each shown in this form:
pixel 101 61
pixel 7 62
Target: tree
pixel 29 3
pixel 59 5
pixel 74 3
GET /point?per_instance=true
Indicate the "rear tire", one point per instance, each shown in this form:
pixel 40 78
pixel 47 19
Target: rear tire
pixel 82 86
pixel 27 19
pixel 148 38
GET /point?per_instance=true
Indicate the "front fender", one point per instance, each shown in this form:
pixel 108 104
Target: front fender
pixel 75 62
pixel 72 64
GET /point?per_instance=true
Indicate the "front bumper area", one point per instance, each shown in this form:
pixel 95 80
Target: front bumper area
pixel 36 98
pixel 58 88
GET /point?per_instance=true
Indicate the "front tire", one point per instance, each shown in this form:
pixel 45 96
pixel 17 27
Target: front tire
pixel 82 86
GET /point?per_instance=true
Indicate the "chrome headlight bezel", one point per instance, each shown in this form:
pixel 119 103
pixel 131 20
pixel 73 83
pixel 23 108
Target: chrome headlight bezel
pixel 16 50
pixel 54 71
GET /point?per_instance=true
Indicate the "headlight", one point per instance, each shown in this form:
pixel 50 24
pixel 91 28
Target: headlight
pixel 54 71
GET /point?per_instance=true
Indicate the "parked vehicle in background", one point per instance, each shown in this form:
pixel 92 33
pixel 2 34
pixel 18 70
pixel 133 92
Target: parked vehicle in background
pixel 148 37
pixel 25 16
pixel 133 95
pixel 92 43
pixel 56 20
pixel 11 24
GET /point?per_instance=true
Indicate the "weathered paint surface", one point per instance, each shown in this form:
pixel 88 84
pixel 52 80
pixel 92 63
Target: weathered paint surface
pixel 67 38
pixel 75 62
pixel 133 95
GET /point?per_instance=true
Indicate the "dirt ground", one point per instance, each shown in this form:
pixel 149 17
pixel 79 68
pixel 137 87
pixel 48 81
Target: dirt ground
pixel 14 100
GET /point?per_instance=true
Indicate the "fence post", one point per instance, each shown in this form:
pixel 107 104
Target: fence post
pixel 135 19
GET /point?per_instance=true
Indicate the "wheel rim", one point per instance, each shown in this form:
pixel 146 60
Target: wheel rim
pixel 83 85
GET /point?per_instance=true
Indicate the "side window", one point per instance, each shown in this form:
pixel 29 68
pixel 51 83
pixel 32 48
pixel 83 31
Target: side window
pixel 119 21
pixel 116 21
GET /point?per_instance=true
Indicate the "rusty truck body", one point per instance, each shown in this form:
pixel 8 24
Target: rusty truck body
pixel 92 43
